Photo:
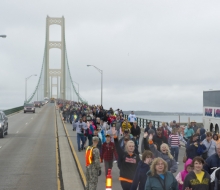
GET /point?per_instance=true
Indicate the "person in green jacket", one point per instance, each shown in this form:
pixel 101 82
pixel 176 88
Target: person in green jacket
pixel 159 178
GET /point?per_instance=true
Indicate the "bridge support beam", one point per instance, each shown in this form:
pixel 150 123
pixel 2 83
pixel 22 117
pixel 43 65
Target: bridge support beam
pixel 61 72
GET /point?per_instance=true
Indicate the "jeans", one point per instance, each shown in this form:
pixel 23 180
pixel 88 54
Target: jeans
pixel 90 140
pixel 80 137
pixel 137 140
pixel 175 152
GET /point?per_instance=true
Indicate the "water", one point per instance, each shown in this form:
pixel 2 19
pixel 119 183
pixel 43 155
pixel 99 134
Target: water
pixel 168 118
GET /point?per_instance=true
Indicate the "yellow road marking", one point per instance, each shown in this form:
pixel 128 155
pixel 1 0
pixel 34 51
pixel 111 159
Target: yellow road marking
pixel 74 154
pixel 57 154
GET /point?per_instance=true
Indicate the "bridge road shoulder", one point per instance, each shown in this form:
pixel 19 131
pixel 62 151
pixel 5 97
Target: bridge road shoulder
pixel 70 175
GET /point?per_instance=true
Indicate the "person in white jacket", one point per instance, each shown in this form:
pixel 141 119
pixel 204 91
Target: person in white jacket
pixel 132 117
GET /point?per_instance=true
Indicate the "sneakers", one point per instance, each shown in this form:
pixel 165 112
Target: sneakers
pixel 177 163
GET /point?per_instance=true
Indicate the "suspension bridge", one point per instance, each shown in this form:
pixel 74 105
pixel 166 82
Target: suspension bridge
pixel 38 152
pixel 56 83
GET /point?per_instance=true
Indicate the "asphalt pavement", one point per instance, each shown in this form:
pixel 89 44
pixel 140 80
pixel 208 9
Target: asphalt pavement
pixel 28 152
pixel 115 171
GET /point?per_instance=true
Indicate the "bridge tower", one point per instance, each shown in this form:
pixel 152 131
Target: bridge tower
pixel 49 73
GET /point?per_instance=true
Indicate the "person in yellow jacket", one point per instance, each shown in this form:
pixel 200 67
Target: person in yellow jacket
pixel 125 125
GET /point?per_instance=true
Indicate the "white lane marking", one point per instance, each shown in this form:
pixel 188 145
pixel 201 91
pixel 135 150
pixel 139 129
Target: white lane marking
pixel 17 131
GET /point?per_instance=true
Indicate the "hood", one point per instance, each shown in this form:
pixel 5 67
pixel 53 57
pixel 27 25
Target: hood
pixel 188 162
pixel 202 131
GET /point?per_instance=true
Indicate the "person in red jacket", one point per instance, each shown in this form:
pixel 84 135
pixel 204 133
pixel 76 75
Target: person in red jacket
pixel 111 118
pixel 107 154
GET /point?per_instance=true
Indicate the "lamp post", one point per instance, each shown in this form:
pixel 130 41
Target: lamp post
pixel 78 90
pixel 26 86
pixel 101 71
pixel 3 36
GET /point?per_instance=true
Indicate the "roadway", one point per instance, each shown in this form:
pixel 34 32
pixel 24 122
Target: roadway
pixel 115 171
pixel 28 152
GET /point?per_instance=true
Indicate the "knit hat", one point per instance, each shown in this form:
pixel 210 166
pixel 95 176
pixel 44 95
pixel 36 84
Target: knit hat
pixel 151 131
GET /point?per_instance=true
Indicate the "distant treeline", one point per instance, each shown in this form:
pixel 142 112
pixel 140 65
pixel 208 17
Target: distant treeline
pixel 161 113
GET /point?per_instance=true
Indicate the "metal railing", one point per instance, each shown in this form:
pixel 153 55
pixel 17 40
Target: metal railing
pixel 13 110
pixel 144 122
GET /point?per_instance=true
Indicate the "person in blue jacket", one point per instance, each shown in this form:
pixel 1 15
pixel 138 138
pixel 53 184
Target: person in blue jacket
pixel 159 178
pixel 140 176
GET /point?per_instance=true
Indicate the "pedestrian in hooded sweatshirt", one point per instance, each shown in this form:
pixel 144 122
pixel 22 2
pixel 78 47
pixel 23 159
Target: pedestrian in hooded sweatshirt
pixel 143 167
pixel 198 179
pixel 202 134
pixel 181 175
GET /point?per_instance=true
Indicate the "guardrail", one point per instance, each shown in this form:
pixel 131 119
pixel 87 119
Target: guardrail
pixel 143 122
pixel 13 110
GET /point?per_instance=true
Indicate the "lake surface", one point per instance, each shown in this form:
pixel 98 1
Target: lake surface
pixel 168 118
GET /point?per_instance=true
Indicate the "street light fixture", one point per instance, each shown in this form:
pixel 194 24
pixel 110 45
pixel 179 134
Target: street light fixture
pixel 26 86
pixel 3 36
pixel 100 71
pixel 78 90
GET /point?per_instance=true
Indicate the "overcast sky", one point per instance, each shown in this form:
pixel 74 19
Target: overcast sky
pixel 156 55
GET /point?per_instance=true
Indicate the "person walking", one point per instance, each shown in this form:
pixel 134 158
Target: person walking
pixel 107 154
pixel 198 179
pixel 159 178
pixel 132 117
pixel 80 130
pixel 163 153
pixel 188 132
pixel 181 175
pixel 136 131
pixel 193 146
pixel 210 145
pixel 143 167
pixel 93 168
pixel 174 144
pixel 159 139
pixel 127 163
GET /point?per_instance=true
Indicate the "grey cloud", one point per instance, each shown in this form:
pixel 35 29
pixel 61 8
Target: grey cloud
pixel 156 55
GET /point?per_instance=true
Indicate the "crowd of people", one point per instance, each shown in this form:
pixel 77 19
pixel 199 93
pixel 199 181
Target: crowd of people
pixel 107 136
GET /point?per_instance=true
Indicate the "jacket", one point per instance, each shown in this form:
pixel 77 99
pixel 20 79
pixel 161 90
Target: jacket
pixel 136 131
pixel 191 181
pixel 212 162
pixel 188 132
pixel 140 176
pixel 172 165
pixel 127 165
pixel 181 175
pixel 159 140
pixel 155 182
pixel 125 125
pixel 108 149
pixel 192 150
pixel 202 134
